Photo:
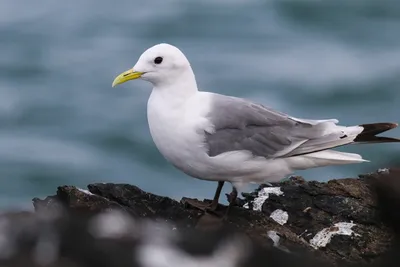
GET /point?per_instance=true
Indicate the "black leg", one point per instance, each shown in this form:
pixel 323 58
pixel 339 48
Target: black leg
pixel 215 201
pixel 232 200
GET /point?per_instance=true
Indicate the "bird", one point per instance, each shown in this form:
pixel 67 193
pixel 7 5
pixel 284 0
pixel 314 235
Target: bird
pixel 222 138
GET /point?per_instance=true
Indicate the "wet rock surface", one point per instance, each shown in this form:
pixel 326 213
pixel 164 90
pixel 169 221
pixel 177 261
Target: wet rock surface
pixel 339 222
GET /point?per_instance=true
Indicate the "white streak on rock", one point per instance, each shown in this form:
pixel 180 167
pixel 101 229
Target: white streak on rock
pixel 85 191
pixel 383 170
pixel 280 216
pixel 274 237
pixel 263 194
pixel 323 237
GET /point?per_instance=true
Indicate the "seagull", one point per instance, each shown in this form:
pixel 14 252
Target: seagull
pixel 223 138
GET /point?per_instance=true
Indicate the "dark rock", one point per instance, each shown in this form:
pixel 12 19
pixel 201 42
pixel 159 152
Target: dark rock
pixel 314 206
pixel 351 210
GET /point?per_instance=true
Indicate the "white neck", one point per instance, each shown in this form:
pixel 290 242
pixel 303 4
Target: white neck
pixel 177 90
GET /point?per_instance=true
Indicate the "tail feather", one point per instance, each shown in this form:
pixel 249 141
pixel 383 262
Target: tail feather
pixel 376 139
pixel 377 128
pixel 360 134
pixel 368 135
pixel 324 158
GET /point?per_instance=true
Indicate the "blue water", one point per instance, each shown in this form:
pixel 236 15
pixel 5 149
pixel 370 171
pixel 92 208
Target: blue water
pixel 62 123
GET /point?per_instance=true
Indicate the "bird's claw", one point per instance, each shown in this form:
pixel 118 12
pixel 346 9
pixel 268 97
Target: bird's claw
pixel 195 203
pixel 206 207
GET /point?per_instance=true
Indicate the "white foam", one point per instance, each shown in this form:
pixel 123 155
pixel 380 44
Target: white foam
pixel 323 237
pixel 280 216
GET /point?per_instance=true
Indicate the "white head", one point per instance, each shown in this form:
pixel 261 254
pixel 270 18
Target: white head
pixel 162 65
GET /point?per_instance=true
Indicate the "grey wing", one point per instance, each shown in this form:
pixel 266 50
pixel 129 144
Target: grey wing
pixel 243 125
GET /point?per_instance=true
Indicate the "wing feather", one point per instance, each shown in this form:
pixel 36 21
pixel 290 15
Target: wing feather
pixel 243 125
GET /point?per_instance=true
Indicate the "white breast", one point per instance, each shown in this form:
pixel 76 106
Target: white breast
pixel 177 128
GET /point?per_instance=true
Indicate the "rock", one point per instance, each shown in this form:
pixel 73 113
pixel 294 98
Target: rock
pixel 314 207
pixel 339 222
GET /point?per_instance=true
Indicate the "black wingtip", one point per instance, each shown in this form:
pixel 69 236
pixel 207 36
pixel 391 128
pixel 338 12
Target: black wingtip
pixel 368 135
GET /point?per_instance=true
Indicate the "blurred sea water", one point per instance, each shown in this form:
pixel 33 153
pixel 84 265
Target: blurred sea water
pixel 62 123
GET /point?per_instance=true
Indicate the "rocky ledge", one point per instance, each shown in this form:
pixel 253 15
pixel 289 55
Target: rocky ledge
pixel 340 222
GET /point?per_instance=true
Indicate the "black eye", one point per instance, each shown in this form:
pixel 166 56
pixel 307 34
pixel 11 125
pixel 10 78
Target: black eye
pixel 158 60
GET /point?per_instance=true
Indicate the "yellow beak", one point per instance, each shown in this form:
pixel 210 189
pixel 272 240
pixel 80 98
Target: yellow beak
pixel 126 76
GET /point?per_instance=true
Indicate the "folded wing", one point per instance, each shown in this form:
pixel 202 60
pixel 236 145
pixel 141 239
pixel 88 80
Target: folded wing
pixel 243 125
